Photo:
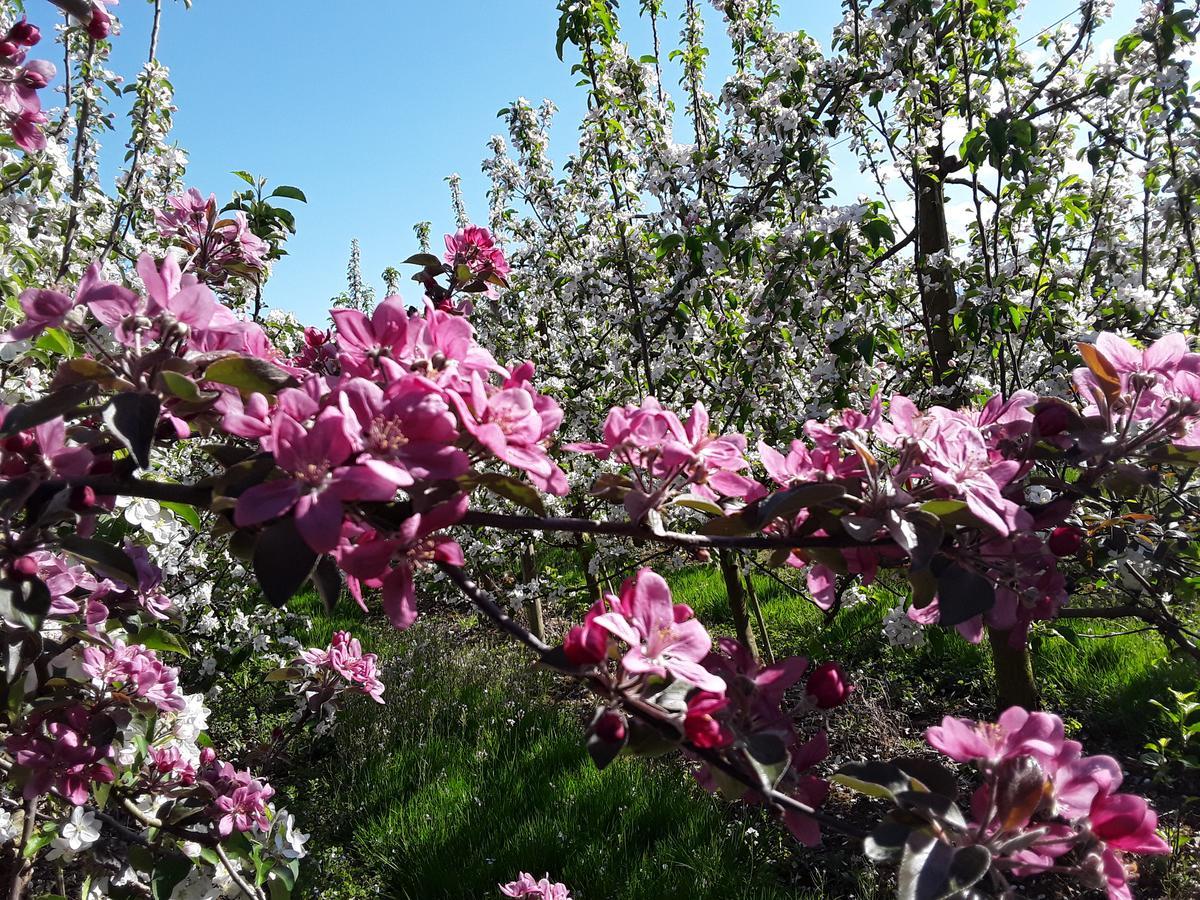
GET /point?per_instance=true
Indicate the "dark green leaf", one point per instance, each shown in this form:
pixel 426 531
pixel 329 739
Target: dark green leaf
pixel 425 260
pixel 291 193
pixel 133 418
pixel 168 872
pixel 513 489
pixel 282 562
pixel 875 778
pixel 59 403
pixel 327 579
pixel 24 602
pixel 154 638
pixel 962 594
pixel 102 557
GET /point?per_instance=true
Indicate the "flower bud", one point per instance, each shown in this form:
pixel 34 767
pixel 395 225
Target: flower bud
pixel 18 443
pixel 25 33
pixel 208 756
pixel 1065 540
pixel 585 646
pixel 9 48
pixel 100 24
pixel 35 78
pixel 827 686
pixel 24 567
pixel 83 498
pixel 315 337
pixel 13 467
pixel 610 727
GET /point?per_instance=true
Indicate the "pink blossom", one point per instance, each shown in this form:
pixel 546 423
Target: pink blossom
pixel 700 724
pixel 535 889
pixel 344 657
pixel 388 561
pixel 658 643
pixel 409 426
pixel 239 799
pixel 512 424
pixel 321 474
pixel 1126 822
pixel 475 248
pixel 673 454
pixel 64 749
pixel 135 672
pixel 1016 733
pixel 365 341
pixel 170 763
pixel 47 309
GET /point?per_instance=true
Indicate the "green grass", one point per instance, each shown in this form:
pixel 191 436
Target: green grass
pixel 474 771
pixel 471 773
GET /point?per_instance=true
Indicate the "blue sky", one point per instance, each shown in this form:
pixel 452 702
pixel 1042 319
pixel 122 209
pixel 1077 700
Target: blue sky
pixel 367 105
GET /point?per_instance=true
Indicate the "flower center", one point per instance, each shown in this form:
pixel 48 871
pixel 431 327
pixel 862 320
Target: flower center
pixel 386 435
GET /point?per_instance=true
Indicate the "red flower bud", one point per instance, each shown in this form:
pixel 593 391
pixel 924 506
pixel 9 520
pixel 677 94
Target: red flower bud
pixel 827 686
pixel 1065 540
pixel 100 24
pixel 9 48
pixel 35 78
pixel 25 33
pixel 315 337
pixel 24 567
pixel 610 727
pixel 19 443
pixel 83 498
pixel 585 645
pixel 208 756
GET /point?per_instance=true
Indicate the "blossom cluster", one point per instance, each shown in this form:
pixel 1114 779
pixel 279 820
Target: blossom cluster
pixel 221 247
pixel 342 665
pixel 535 888
pixel 721 697
pixel 417 403
pixel 20 80
pixel 1043 806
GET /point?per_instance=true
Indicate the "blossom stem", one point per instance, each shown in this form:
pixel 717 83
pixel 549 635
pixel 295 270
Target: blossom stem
pixel 245 886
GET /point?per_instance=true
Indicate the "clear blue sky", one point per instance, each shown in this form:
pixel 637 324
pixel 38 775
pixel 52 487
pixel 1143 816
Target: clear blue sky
pixel 367 105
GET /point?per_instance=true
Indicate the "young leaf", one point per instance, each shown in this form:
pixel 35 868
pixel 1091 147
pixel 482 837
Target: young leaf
pixel 154 638
pixel 249 374
pixel 290 193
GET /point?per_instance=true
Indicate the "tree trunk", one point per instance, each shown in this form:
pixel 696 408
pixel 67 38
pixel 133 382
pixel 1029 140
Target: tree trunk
pixel 1014 672
pixel 533 602
pixel 737 601
pixel 937 289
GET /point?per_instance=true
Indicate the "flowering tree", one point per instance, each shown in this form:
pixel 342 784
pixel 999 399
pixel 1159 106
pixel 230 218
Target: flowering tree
pixel 1029 192
pixel 363 456
pixel 357 471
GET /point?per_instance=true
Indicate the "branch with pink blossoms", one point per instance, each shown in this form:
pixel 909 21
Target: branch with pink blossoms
pixel 664 723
